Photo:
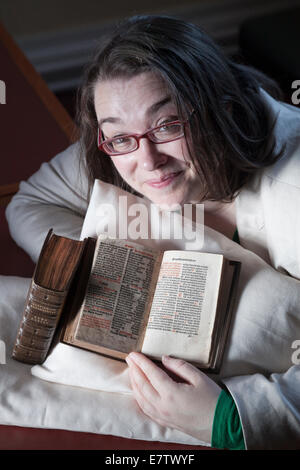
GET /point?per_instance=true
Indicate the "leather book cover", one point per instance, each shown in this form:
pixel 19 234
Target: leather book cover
pixel 54 272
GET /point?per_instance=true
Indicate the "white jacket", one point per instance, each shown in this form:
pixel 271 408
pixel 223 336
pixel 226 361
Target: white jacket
pixel 268 222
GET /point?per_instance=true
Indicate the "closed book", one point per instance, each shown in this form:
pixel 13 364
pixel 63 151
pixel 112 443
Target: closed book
pixel 54 272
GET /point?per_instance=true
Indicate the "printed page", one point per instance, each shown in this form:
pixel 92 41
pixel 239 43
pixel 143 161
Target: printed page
pixel 116 297
pixel 183 310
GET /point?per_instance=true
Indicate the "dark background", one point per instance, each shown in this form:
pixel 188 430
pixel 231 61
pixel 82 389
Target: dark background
pixel 59 37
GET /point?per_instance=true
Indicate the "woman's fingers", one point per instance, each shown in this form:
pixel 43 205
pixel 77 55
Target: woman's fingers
pixel 140 380
pixel 183 369
pixel 188 407
pixel 159 378
pixel 144 393
pixel 153 374
pixel 142 401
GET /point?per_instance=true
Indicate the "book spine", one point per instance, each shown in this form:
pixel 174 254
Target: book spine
pixel 40 318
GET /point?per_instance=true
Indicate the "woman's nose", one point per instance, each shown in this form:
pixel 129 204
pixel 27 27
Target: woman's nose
pixel 149 155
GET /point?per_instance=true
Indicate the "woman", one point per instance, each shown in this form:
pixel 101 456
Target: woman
pixel 163 114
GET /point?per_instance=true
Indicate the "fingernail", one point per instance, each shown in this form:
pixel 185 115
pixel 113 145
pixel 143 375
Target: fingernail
pixel 128 360
pixel 133 357
pixel 166 358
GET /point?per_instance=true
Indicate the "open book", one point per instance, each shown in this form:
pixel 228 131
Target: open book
pixel 115 296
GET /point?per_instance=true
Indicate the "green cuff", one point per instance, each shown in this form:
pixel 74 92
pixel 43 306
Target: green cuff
pixel 227 429
pixel 236 237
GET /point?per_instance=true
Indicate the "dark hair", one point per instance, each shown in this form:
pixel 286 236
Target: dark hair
pixel 231 136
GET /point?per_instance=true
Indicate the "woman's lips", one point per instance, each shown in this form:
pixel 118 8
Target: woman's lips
pixel 164 180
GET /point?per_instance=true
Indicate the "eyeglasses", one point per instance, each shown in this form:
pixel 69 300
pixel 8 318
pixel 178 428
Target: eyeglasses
pixel 166 132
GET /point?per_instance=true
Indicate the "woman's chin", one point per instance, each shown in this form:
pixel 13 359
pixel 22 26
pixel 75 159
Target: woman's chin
pixel 167 203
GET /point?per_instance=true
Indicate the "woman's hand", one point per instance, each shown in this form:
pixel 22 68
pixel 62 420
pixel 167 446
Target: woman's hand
pixel 188 407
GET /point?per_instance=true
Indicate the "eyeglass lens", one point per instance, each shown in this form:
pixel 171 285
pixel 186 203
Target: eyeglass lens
pixel 125 144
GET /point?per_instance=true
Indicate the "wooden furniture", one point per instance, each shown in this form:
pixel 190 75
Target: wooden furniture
pixel 34 127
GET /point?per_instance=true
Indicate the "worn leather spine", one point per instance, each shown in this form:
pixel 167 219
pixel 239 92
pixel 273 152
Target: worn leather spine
pixel 40 318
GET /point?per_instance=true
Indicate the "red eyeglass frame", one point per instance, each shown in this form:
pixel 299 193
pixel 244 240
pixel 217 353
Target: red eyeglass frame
pixel 138 137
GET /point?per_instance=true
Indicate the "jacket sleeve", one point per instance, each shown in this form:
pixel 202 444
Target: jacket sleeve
pixel 269 408
pixel 56 196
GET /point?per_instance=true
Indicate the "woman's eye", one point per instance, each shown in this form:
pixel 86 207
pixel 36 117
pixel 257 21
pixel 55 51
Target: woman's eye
pixel 162 128
pixel 121 143
pixel 164 124
pixel 167 127
pixel 120 140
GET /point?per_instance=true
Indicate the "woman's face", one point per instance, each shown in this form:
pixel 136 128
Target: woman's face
pixel 160 172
